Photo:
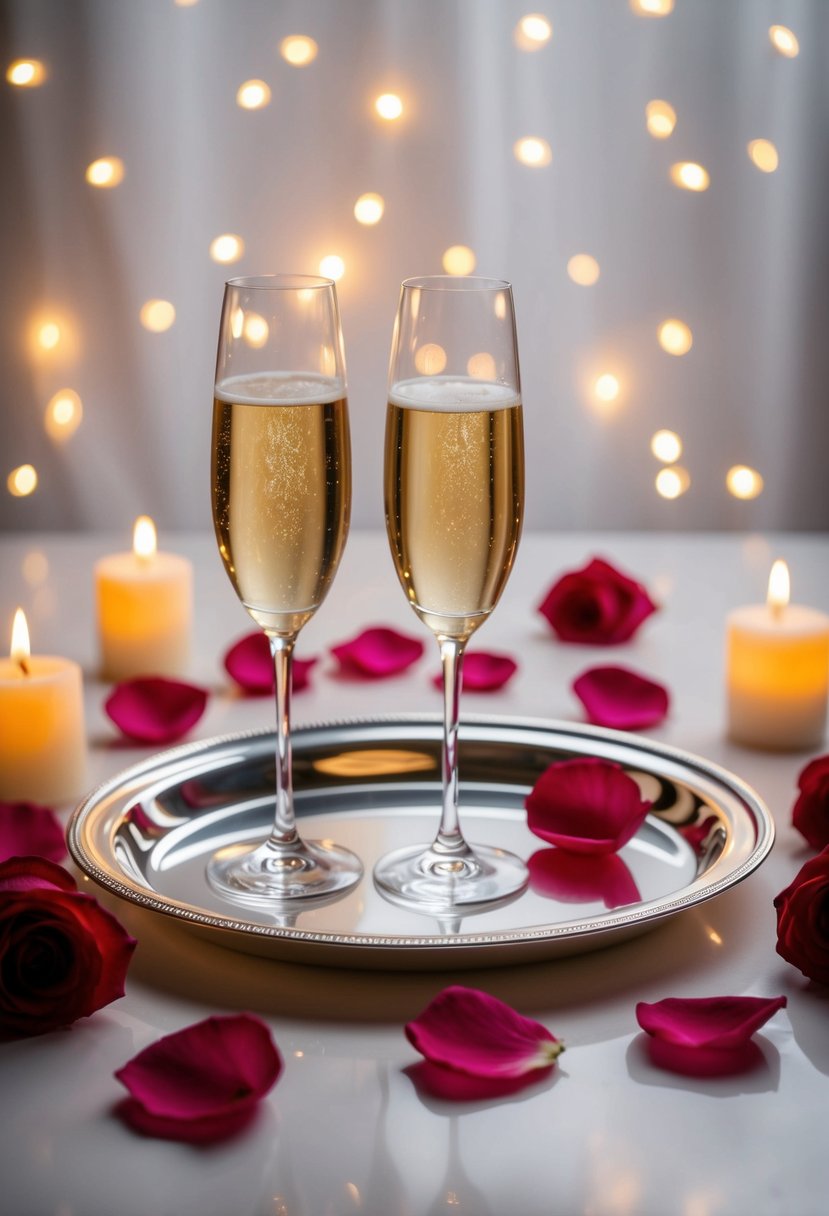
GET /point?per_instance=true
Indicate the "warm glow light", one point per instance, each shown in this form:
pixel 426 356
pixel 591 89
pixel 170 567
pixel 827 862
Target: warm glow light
pixel 48 335
pixel 237 322
pixel 253 95
pixel 144 541
pixel 532 151
pixel 500 305
pixel 690 176
pixel 743 482
pixel 298 50
pixel 532 32
pixel 35 567
pixel 607 387
pixel 652 8
pixel 256 330
pixel 763 154
pixel 430 360
pixel 389 106
pixel 673 482
pixel 780 590
pixel 784 41
pixel 26 73
pixel 22 481
pixel 186 3
pixel 332 267
pixel 157 315
pixel 583 269
pixel 666 446
pixel 227 248
pixel 716 938
pixel 369 208
pixel 21 646
pixel 459 259
pixel 63 415
pixel 482 366
pixel 106 172
pixel 660 119
pixel 675 337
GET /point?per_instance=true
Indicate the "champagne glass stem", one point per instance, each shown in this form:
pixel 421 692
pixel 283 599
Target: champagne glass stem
pixel 450 838
pixel 284 832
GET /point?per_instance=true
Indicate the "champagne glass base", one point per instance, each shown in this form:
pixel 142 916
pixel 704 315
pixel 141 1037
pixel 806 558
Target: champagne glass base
pixel 430 879
pixel 271 873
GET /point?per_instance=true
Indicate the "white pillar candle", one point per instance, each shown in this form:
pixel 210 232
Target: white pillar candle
pixel 144 602
pixel 42 735
pixel 778 671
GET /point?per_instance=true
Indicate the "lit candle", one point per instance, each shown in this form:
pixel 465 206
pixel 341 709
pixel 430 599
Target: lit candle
pixel 144 603
pixel 42 736
pixel 777 671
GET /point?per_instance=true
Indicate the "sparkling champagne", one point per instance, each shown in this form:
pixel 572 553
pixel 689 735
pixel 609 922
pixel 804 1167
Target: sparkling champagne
pixel 454 490
pixel 281 482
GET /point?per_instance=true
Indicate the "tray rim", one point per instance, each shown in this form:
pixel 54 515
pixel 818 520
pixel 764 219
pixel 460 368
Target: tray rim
pixel 638 917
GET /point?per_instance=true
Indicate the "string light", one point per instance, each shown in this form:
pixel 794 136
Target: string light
pixel 369 209
pixel 666 446
pixel 532 32
pixel 675 337
pixel 459 259
pixel 389 106
pixel 22 481
pixel 652 8
pixel 26 73
pixel 532 151
pixel 583 269
pixel 784 41
pixel 227 248
pixel 690 176
pixel 607 387
pixel 430 359
pixel 157 315
pixel 743 482
pixel 253 95
pixel 660 119
pixel 763 154
pixel 673 482
pixel 63 416
pixel 106 172
pixel 332 267
pixel 298 50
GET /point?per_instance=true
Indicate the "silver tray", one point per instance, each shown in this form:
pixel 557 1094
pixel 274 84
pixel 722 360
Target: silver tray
pixel 373 785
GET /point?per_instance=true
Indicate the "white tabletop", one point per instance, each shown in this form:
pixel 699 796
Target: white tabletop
pixel 344 1131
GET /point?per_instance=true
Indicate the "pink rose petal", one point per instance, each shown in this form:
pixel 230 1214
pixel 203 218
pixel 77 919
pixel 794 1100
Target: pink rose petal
pixel 586 806
pixel 27 830
pixel 250 664
pixel 378 652
pixel 437 1081
pixel 152 709
pixel 722 1022
pixel 484 671
pixel 582 878
pixel 704 1061
pixel 203 1082
pixel 476 1034
pixel 620 698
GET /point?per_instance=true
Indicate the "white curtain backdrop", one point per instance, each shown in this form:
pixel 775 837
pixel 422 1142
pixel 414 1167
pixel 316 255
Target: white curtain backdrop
pixel 745 264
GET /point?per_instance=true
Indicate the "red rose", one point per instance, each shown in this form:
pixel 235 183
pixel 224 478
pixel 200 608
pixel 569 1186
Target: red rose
pixel 62 956
pixel 803 919
pixel 597 605
pixel 810 813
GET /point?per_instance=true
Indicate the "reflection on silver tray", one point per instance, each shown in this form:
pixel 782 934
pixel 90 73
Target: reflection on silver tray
pixel 374 785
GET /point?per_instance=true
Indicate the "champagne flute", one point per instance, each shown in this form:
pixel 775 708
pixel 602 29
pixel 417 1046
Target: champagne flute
pixel 281 489
pixel 454 488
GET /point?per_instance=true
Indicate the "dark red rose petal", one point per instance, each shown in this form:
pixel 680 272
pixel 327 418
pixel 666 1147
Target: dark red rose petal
pixel 378 652
pixel 582 878
pixel 586 806
pixel 250 664
pixel 810 813
pixel 803 919
pixel 597 605
pixel 28 830
pixel 484 671
pixel 152 709
pixel 722 1022
pixel 31 873
pixel 620 698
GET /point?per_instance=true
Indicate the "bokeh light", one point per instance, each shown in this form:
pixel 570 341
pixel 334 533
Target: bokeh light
pixel 157 315
pixel 64 413
pixel 688 175
pixel 675 337
pixel 389 106
pixel 430 359
pixel 532 32
pixel 660 119
pixel 106 172
pixel 607 387
pixel 763 154
pixel 532 151
pixel 48 335
pixel 666 446
pixel 253 95
pixel 298 50
pixel 26 73
pixel 743 482
pixel 481 366
pixel 672 482
pixel 652 8
pixel 332 267
pixel 227 248
pixel 369 209
pixel 784 41
pixel 583 269
pixel 459 259
pixel 35 567
pixel 22 481
pixel 256 330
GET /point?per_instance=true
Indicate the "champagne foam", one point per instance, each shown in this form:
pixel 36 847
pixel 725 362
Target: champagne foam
pixel 280 388
pixel 452 393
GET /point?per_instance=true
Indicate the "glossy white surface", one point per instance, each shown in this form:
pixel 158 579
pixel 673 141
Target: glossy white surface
pixel 345 1131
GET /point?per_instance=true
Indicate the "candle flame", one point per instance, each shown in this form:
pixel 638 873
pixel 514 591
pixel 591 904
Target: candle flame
pixel 21 647
pixel 144 537
pixel 779 587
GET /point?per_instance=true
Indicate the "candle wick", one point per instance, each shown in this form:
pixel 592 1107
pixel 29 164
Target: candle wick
pixel 777 611
pixel 24 666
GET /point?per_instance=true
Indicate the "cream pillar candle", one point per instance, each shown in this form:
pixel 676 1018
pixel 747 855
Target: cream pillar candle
pixel 144 601
pixel 42 734
pixel 778 671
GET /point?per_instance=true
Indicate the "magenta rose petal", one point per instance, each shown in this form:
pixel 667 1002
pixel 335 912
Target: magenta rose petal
pixel 484 671
pixel 478 1035
pixel 378 652
pixel 586 806
pixel 152 709
pixel 202 1082
pixel 249 664
pixel 704 1061
pixel 620 698
pixel 28 830
pixel 449 1085
pixel 597 605
pixel 582 878
pixel 725 1023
